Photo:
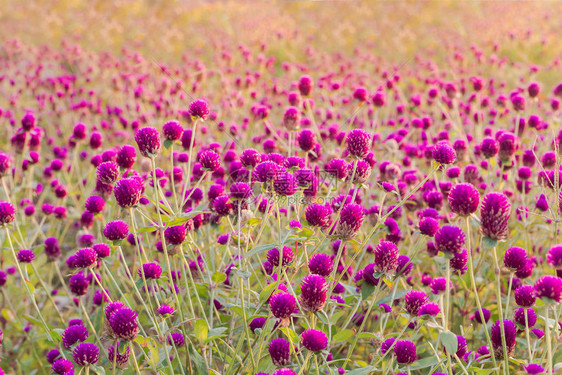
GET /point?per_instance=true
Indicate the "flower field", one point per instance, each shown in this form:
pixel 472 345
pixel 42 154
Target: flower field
pixel 280 188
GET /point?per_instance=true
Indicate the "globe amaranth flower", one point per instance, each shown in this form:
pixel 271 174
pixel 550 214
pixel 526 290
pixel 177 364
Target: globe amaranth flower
pixel 282 305
pixel 126 156
pixel 449 239
pixel 52 355
pixel 78 284
pixel 124 324
pixel 172 130
pixel 148 140
pixel 273 256
pixel 459 261
pixel 62 366
pixel 177 338
pixel 108 172
pixel 525 317
pixel 386 257
pixel 533 369
pixel 116 230
pixel 240 190
pixel 128 191
pixel 305 85
pixel 7 213
pixel 489 147
pixel 283 371
pixel 152 271
pixel 337 168
pixel 175 235
pixel 444 153
pixel 285 184
pixel 494 216
pixel 102 250
pixel 74 334
pixel 549 288
pixel 485 312
pixel 85 258
pixel 525 296
pixel 429 309
pixel 86 354
pixel 257 323
pixel 387 344
pixel 199 109
pixel 280 352
pixel 320 264
pixel 291 118
pixel 266 171
pixel 554 256
pixel 413 300
pixel 314 340
pixel 210 161
pixel 306 140
pixel 428 226
pixel 515 258
pixel 405 352
pixel 438 285
pixel 350 221
pixel 318 215
pixel 464 199
pixel 314 291
pixel 358 143
pixel 165 310
pixel 510 336
pixel 120 359
pixel 25 256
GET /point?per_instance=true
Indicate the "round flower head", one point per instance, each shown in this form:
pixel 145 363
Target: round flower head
pixel 413 300
pixel 5 164
pixel 489 147
pixel 525 296
pixel 175 235
pixel 257 323
pixel 519 317
pixel 534 368
pixel 283 371
pixel 404 266
pixel 428 226
pixel 358 143
pixel 507 146
pixel 282 305
pixel 240 190
pixel 449 239
pixel 351 218
pixel 438 285
pixel 53 355
pixel 320 264
pixel 306 140
pixel 25 256
pixel 250 158
pixel 86 354
pixel 165 310
pixel 515 258
pixel 128 191
pixel 463 199
pixel 291 118
pixel 74 334
pixel 102 250
pixel 305 85
pixel 126 156
pixel 554 256
pixel 285 184
pixel 266 171
pixel 405 352
pixel 120 359
pixel 108 172
pixel 318 215
pixel 28 121
pixel 280 352
pixel 338 168
pixel 78 284
pixel 111 307
pixel 172 130
pixel 387 344
pixel 95 204
pixel 314 340
pixel 148 140
pixel 494 216
pixel 549 288
pixel 199 109
pixel 444 153
pixel 273 256
pixel 152 271
pixel 7 213
pixel 63 366
pixel 314 291
pixel 210 161
pixel 177 338
pixel 386 257
pixel 85 258
pixel 222 205
pixel 459 261
pixel 485 312
pixel 124 324
pixel 510 336
pixel 116 230
pixel 429 309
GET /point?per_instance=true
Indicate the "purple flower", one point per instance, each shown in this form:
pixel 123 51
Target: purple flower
pixel 314 340
pixel 318 215
pixel 78 284
pixel 120 359
pixel 152 271
pixel 199 109
pixel 351 218
pixel 283 371
pixel 429 309
pixel 358 143
pixel 449 239
pixel 273 256
pixel 291 118
pixel 7 213
pixel 487 314
pixel 464 199
pixel 63 366
pixel 257 323
pixel 95 204
pixel 438 285
pixel 413 300
pixel 314 290
pixel 116 230
pixel 515 258
pixel 165 310
pixel 74 334
pixel 172 130
pixel 386 344
pixel 534 369
pixel 126 156
pixel 459 261
pixel 85 258
pixel 525 296
pixel 53 355
pixel 240 190
pixel 148 140
pixel 25 256
pixel 280 352
pixel 549 287
pixel 444 153
pixel 489 147
pixel 128 191
pixel 510 336
pixel 222 205
pixel 386 257
pixel 177 338
pixel 519 317
pixel 428 226
pixel 108 172
pixel 210 160
pixel 86 354
pixel 306 140
pixel 305 85
pixel 285 184
pixel 320 264
pixel 282 305
pixel 405 352
pixel 494 216
pixel 554 256
pixel 175 235
pixel 124 323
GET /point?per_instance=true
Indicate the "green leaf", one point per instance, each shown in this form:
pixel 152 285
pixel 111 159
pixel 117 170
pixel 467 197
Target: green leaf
pixel 367 335
pixel 266 292
pixel 30 286
pixel 218 277
pixel 168 143
pixel 292 335
pixel 254 221
pixel 344 335
pixel 387 299
pixel 450 341
pixel 424 363
pixel 98 369
pixel 259 249
pixel 488 243
pixel 177 221
pixel 147 229
pixel 366 290
pixel 363 370
pixel 201 330
pixel 306 232
pixel 198 361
